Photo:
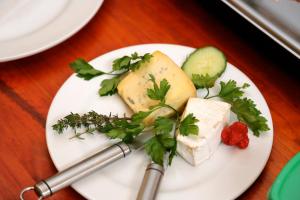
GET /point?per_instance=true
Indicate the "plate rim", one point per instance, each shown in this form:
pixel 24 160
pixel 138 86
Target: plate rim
pixel 61 37
pixel 242 190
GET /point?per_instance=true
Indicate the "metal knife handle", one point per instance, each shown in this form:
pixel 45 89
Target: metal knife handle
pixel 151 181
pixel 66 177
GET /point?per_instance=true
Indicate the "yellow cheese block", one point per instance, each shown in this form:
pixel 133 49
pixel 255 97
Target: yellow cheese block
pixel 133 88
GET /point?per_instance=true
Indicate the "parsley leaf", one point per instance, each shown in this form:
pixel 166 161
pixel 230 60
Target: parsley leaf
pixel 121 63
pixel 201 81
pixel 124 130
pixel 166 140
pixel 162 142
pixel 109 86
pixel 143 59
pixel 158 145
pixel 116 133
pixel 244 108
pixel 188 125
pixel 135 55
pixel 230 91
pixel 132 130
pixel 246 111
pixel 158 92
pixel 172 151
pixel 155 150
pixel 127 62
pixel 140 116
pixel 163 125
pixel 84 69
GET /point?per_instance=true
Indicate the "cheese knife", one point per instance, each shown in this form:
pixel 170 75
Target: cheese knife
pixel 151 181
pixel 51 185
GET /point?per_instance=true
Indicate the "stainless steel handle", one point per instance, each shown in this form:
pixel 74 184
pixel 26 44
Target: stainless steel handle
pixel 66 177
pixel 151 181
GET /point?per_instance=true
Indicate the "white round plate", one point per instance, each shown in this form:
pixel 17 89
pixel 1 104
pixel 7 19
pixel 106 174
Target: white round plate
pixel 28 27
pixel 226 175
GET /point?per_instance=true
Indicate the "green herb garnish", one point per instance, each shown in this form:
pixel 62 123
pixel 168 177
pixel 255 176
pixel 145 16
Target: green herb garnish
pixel 120 66
pixel 109 86
pixel 132 62
pixel 158 92
pixel 84 69
pixel 201 81
pixel 244 108
pixel 159 145
pixel 126 129
pixel 246 111
pixel 230 91
pixel 187 125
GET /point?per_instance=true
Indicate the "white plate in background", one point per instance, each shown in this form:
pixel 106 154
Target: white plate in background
pixel 228 173
pixel 28 27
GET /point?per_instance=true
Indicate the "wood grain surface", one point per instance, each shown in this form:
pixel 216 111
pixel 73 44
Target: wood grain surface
pixel 27 86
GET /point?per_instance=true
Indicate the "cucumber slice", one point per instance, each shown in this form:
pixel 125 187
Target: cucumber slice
pixel 207 60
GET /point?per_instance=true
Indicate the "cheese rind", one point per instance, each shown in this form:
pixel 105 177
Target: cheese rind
pixel 133 88
pixel 213 116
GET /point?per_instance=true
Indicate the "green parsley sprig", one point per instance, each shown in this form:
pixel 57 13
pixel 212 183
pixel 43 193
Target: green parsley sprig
pixel 120 67
pixel 245 109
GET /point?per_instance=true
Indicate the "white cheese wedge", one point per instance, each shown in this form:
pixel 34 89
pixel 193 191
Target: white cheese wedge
pixel 213 116
pixel 133 88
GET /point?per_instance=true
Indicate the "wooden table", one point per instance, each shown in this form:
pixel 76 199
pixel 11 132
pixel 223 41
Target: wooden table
pixel 27 86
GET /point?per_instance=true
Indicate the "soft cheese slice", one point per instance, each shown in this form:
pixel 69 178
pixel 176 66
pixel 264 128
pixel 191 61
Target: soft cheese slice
pixel 213 116
pixel 133 88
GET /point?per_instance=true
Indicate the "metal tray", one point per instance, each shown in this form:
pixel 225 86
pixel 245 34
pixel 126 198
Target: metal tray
pixel 279 19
